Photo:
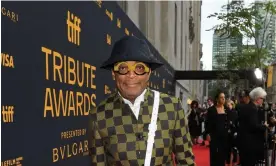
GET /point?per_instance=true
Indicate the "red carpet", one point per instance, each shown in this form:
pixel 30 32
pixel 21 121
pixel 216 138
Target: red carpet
pixel 201 155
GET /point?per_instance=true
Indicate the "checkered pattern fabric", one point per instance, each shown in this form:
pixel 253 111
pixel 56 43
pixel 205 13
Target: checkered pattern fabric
pixel 118 138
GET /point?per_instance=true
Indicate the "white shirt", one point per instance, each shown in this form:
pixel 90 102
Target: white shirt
pixel 137 103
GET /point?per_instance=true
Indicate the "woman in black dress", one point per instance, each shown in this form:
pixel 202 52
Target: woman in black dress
pixel 217 128
pixel 194 121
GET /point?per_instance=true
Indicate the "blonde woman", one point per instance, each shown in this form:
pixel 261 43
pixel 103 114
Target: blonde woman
pixel 233 121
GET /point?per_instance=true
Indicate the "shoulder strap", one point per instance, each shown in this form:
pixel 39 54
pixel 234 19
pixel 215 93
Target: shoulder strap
pixel 152 128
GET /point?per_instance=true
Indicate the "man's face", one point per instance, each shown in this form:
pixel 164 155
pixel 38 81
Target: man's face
pixel 131 85
pixel 209 102
pixel 245 99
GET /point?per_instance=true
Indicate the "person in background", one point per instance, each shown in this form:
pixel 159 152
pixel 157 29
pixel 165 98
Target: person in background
pixel 194 121
pixel 232 133
pixel 273 107
pixel 210 102
pixel 205 136
pixel 251 130
pixel 245 97
pixel 137 125
pixel 217 127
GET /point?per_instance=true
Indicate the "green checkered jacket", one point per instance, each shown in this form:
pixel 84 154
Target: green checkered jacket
pixel 118 138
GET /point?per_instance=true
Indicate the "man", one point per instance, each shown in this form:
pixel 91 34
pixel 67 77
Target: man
pixel 251 130
pixel 131 127
pixel 245 97
pixel 210 102
pixel 244 100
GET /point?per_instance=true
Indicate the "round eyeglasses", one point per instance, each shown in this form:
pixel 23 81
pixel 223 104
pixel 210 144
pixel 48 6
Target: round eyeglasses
pixel 123 68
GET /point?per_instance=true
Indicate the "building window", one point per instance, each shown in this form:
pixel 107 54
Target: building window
pixel 181 35
pixel 143 17
pixel 175 29
pixel 181 96
pixel 191 25
pixel 187 15
pixel 164 28
pixel 185 52
pixel 123 5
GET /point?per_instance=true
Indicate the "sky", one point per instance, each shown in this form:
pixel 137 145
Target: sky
pixel 210 7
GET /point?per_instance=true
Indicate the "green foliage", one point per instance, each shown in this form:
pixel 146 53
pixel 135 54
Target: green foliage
pixel 219 85
pixel 248 59
pixel 237 20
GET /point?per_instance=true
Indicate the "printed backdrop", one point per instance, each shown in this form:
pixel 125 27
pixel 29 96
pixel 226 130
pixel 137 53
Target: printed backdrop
pixel 51 53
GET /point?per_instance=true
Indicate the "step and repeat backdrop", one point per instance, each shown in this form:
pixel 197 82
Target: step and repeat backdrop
pixel 50 75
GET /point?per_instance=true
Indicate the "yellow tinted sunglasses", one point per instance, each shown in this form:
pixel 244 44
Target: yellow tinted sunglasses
pixel 139 68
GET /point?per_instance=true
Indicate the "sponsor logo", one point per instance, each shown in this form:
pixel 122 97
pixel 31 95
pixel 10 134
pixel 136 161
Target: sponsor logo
pixel 73 28
pixel 10 14
pixel 8 114
pixel 7 60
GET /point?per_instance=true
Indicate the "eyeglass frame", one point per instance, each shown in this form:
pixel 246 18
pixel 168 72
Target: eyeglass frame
pixel 130 68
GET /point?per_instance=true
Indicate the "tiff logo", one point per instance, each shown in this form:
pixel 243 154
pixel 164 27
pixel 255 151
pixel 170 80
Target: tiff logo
pixel 7 114
pixel 73 28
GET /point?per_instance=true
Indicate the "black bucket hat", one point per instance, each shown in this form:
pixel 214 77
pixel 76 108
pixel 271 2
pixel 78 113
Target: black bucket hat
pixel 130 48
